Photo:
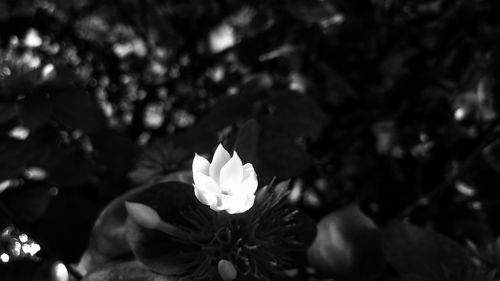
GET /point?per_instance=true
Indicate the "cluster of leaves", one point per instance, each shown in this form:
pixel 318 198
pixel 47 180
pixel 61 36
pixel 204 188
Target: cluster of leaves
pixel 390 103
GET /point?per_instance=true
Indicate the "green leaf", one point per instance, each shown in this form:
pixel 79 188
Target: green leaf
pixel 414 251
pixel 348 246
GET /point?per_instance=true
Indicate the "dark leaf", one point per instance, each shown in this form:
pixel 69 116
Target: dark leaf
pixel 280 156
pixel 107 239
pixel 337 88
pixel 227 111
pixel 143 175
pixel 22 84
pixel 491 155
pixel 65 164
pixel 247 141
pixel 311 11
pixel 7 111
pixel 13 157
pixel 20 270
pixel 28 202
pixel 35 111
pixel 72 168
pixel 116 152
pixel 159 158
pixel 10 169
pixel 415 251
pixel 296 115
pixel 75 110
pixel 159 251
pixel 348 246
pixel 108 236
pixel 307 230
pixel 260 23
pixel 42 147
pixel 71 213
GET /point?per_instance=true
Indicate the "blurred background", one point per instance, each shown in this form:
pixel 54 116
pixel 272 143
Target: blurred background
pixel 391 104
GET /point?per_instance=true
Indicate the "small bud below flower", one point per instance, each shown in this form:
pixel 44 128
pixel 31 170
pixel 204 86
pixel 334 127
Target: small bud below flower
pixel 19 133
pixel 143 215
pixel 227 270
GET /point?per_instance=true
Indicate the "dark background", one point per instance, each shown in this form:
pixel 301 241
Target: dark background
pixel 392 104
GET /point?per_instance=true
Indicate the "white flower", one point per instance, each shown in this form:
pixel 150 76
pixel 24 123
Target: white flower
pixel 225 184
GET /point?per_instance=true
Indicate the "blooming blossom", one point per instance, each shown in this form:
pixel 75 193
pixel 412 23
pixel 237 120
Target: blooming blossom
pixel 225 184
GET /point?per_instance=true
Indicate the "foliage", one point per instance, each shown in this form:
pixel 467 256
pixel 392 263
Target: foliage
pixel 385 105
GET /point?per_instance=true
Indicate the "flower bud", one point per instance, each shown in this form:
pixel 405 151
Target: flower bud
pixel 143 215
pixel 226 270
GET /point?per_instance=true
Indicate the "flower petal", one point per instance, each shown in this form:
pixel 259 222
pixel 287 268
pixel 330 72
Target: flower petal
pixel 223 202
pixel 200 164
pixel 231 175
pixel 241 204
pixel 250 182
pixel 204 196
pixel 248 203
pixel 202 181
pixel 220 158
pixel 247 170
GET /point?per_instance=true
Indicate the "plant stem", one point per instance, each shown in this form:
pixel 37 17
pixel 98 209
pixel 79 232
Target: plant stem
pixel 171 230
pixel 223 218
